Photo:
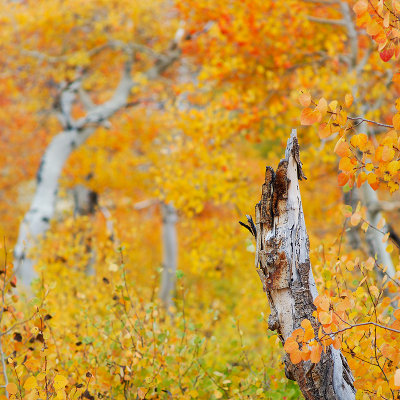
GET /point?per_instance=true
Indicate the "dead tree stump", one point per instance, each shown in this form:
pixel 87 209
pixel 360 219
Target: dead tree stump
pixel 283 264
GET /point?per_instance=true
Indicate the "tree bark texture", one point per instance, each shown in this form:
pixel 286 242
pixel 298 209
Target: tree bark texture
pixel 170 252
pixel 283 264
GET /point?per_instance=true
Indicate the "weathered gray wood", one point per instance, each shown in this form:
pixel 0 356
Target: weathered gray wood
pixel 283 264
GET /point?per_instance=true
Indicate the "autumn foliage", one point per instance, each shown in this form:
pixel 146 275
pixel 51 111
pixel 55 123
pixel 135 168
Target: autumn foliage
pixel 197 134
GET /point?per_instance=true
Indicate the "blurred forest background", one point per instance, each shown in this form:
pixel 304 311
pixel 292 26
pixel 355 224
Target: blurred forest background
pixel 134 137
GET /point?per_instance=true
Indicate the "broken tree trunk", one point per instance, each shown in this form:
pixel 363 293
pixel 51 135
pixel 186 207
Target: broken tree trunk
pixel 283 264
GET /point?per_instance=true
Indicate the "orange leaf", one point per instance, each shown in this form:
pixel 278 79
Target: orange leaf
pixel 325 318
pixel 308 335
pixel 322 106
pixel 342 179
pixel 360 7
pixel 373 28
pixel 322 303
pixel 310 117
pixel 324 130
pixel 387 153
pixel 12 388
pixel 337 343
pixel 372 180
pixel 296 357
pixel 345 164
pixel 316 353
pixel 360 141
pixel 355 219
pixel 342 149
pixel 305 99
pixel 305 352
pixel 306 324
pixel 290 345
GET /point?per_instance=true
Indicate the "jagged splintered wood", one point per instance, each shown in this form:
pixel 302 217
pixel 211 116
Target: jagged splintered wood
pixel 283 264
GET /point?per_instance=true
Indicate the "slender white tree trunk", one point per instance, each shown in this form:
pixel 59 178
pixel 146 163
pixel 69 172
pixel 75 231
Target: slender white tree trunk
pixel 37 219
pixel 374 236
pixel 283 264
pixel 170 253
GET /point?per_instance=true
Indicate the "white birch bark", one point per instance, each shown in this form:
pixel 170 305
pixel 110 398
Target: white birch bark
pixel 170 254
pixel 283 264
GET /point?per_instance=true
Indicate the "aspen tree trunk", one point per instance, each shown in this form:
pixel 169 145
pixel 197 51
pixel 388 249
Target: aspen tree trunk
pixel 37 219
pixel 170 251
pixel 283 264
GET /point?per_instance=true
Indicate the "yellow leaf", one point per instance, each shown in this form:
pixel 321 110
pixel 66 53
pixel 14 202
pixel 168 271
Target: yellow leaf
pixel 369 167
pixel 30 383
pixel 218 394
pixel 364 226
pixel 59 382
pixel 386 237
pixel 393 167
pixel 396 122
pixel 40 376
pixel 355 219
pixel 345 164
pixel 348 100
pixel 333 105
pixel 360 141
pixel 387 153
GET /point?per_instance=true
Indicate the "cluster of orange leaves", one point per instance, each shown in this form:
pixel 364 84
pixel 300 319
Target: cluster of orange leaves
pixel 331 321
pixel 304 344
pixel 363 158
pixel 380 19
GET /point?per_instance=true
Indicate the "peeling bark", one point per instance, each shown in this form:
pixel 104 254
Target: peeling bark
pixel 170 250
pixel 283 264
